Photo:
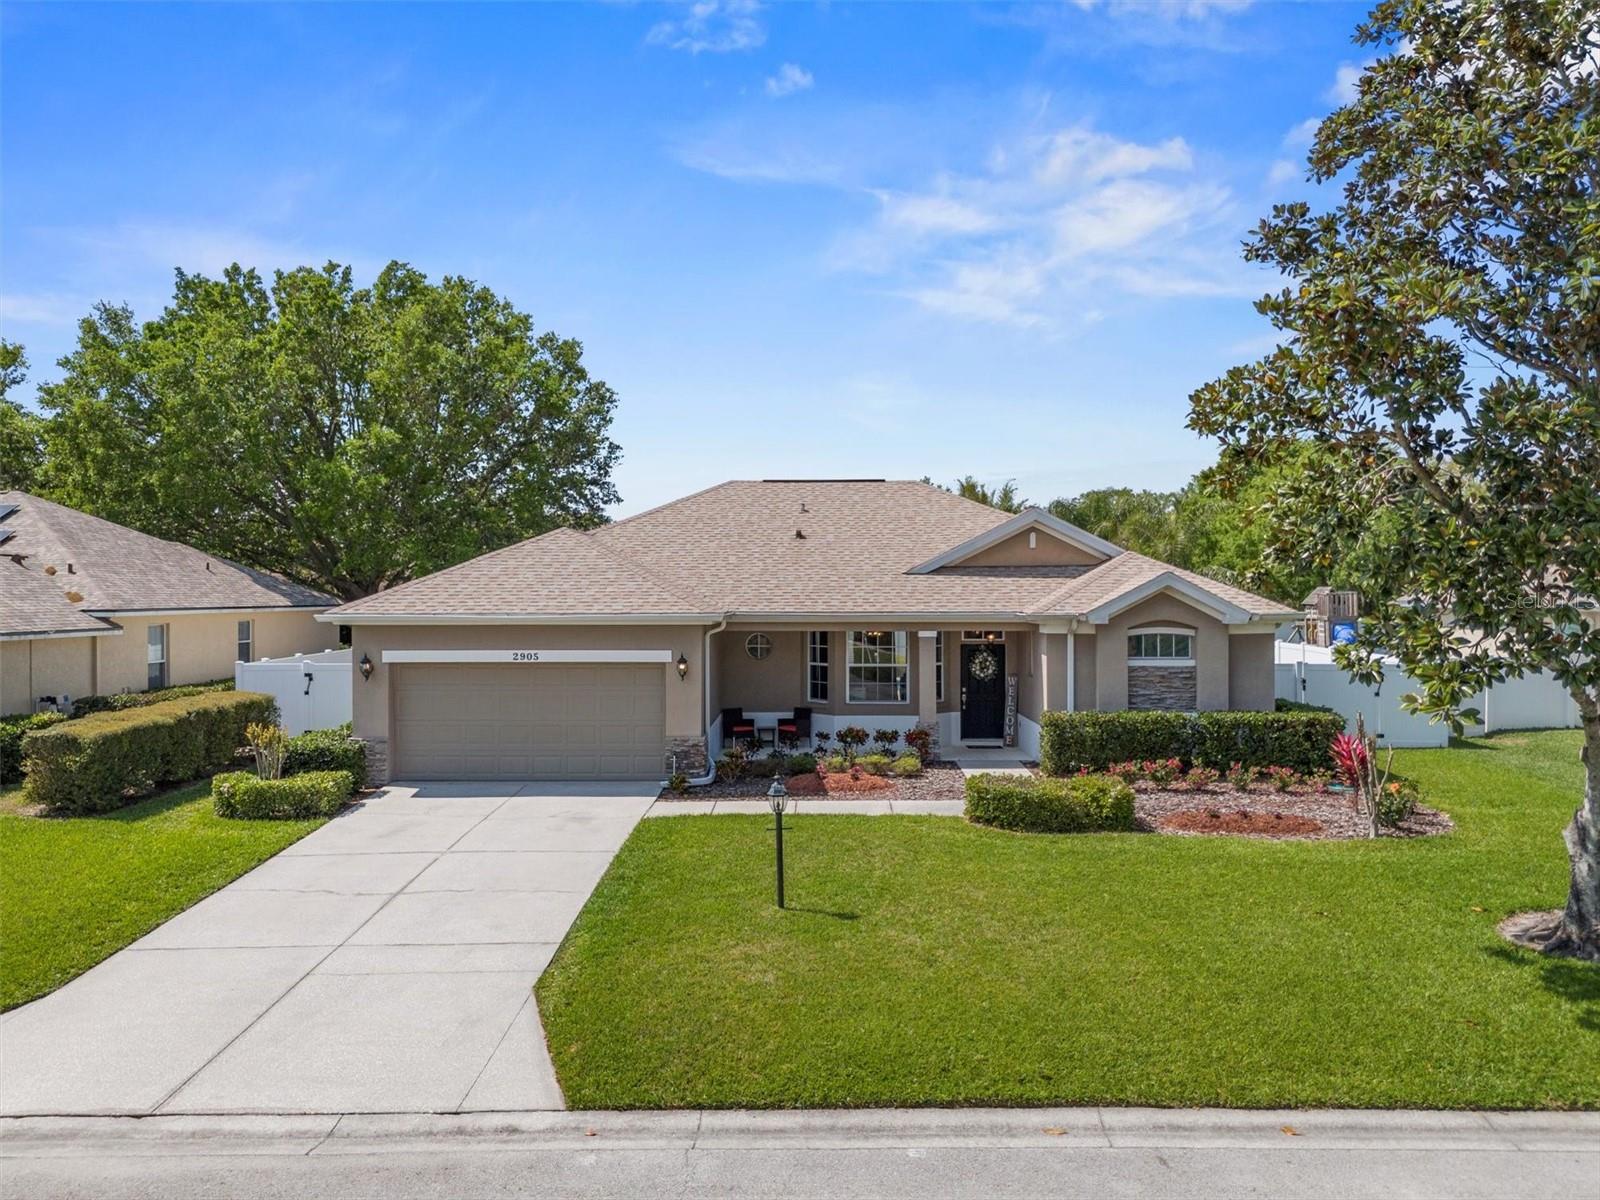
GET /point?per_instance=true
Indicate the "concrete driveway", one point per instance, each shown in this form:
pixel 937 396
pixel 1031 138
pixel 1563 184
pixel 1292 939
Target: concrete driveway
pixel 385 963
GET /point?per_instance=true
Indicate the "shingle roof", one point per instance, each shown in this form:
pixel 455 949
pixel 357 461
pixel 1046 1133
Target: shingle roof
pixel 32 604
pixel 116 569
pixel 734 549
pixel 1128 570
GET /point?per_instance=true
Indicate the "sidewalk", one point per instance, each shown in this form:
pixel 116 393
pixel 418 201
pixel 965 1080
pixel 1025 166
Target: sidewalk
pixel 917 1152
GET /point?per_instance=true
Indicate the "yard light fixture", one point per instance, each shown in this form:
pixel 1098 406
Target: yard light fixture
pixel 365 666
pixel 683 667
pixel 777 801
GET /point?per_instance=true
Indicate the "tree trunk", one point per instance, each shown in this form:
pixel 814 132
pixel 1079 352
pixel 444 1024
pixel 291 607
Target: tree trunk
pixel 1576 932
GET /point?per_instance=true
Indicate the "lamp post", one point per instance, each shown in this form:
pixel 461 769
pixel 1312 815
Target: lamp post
pixel 777 800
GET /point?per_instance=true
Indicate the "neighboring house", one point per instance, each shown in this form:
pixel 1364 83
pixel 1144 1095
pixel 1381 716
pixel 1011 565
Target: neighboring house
pixel 613 652
pixel 88 607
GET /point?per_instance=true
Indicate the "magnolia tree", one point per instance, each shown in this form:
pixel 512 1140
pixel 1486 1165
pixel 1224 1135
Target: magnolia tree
pixel 1440 341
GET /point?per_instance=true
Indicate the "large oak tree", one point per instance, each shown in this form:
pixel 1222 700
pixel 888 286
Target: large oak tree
pixel 1441 341
pixel 349 438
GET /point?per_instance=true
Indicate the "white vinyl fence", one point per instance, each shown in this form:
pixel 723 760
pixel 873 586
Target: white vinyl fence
pixel 1309 674
pixel 312 690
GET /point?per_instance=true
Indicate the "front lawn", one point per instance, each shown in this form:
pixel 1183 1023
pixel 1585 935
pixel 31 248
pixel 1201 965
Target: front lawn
pixel 75 890
pixel 928 961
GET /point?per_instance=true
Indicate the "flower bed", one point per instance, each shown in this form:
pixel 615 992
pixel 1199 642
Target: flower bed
pixel 1164 810
pixel 1239 820
pixel 938 781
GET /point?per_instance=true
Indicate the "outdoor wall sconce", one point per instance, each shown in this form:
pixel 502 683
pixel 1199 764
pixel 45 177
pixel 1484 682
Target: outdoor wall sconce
pixel 683 667
pixel 365 666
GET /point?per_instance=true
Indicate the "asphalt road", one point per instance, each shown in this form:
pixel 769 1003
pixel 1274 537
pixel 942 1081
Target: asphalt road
pixel 932 1153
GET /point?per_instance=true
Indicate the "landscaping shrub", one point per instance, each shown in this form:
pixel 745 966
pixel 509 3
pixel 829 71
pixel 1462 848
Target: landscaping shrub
pixel 1069 742
pixel 246 795
pixel 107 759
pixel 11 731
pixel 1299 739
pixel 1282 705
pixel 85 705
pixel 874 764
pixel 920 742
pixel 1396 801
pixel 906 765
pixel 851 738
pixel 1031 804
pixel 801 764
pixel 327 750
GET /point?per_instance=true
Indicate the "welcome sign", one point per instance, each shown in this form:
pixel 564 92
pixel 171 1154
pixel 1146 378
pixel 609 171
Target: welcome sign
pixel 1011 711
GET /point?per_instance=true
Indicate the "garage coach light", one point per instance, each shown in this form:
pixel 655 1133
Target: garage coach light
pixel 365 666
pixel 683 667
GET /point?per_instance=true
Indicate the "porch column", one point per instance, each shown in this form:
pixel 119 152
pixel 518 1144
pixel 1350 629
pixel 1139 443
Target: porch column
pixel 927 684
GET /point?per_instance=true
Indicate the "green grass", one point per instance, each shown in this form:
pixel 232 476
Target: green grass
pixel 75 890
pixel 927 961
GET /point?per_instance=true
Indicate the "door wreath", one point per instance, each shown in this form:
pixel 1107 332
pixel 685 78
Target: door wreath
pixel 983 666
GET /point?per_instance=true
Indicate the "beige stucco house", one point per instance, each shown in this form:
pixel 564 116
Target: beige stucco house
pixel 617 652
pixel 90 607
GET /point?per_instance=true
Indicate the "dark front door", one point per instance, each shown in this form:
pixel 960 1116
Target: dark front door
pixel 983 690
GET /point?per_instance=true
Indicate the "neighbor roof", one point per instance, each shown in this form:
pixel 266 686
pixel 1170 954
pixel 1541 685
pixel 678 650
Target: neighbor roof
pixel 31 605
pixel 114 569
pixel 774 548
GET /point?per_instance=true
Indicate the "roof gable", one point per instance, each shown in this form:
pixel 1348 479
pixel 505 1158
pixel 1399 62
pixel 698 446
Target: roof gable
pixel 1030 520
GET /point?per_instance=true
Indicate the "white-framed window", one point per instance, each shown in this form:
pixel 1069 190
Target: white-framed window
pixel 817 666
pixel 938 667
pixel 1162 647
pixel 878 667
pixel 758 645
pixel 247 641
pixel 983 635
pixel 155 656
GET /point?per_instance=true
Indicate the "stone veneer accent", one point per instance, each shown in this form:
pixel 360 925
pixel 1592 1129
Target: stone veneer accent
pixel 377 760
pixel 689 753
pixel 1171 688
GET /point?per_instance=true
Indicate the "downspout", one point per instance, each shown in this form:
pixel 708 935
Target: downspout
pixel 705 702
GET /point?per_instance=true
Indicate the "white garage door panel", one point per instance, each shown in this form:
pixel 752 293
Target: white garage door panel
pixel 529 721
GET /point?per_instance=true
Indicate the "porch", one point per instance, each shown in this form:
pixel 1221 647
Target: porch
pixel 972 688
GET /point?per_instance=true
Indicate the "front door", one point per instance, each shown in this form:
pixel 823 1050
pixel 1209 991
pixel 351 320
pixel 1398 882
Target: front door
pixel 983 691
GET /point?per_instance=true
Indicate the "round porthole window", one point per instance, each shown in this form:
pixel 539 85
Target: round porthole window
pixel 758 645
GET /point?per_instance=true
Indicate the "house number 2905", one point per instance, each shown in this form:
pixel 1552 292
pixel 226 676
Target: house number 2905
pixel 524 656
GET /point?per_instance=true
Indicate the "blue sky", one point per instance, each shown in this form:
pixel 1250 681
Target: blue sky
pixel 797 239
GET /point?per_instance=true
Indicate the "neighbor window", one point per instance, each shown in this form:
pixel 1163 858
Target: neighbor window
pixel 247 641
pixel 817 666
pixel 1165 646
pixel 758 645
pixel 879 668
pixel 156 656
pixel 938 666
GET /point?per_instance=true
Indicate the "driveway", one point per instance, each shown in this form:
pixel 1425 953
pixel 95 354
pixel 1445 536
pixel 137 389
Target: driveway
pixel 385 963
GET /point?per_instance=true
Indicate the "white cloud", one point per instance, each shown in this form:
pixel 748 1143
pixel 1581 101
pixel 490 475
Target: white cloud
pixel 1302 134
pixel 789 79
pixel 714 26
pixel 1080 155
pixel 1283 171
pixel 42 308
pixel 1346 81
pixel 933 214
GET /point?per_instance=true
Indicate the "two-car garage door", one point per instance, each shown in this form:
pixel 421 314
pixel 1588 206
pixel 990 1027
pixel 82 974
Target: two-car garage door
pixel 539 721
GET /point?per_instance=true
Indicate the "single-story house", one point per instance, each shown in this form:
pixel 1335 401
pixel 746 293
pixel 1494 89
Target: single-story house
pixel 614 653
pixel 89 607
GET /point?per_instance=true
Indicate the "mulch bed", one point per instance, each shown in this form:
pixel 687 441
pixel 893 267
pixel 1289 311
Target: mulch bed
pixel 938 781
pixel 1264 812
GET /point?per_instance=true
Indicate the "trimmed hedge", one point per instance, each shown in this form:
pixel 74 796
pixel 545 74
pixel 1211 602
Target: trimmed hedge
pixel 86 705
pixel 1031 804
pixel 11 731
pixel 244 795
pixel 108 759
pixel 327 750
pixel 1069 742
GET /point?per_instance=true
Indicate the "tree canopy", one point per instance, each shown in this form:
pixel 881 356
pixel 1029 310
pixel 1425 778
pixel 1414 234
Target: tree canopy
pixel 21 432
pixel 349 438
pixel 1440 345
